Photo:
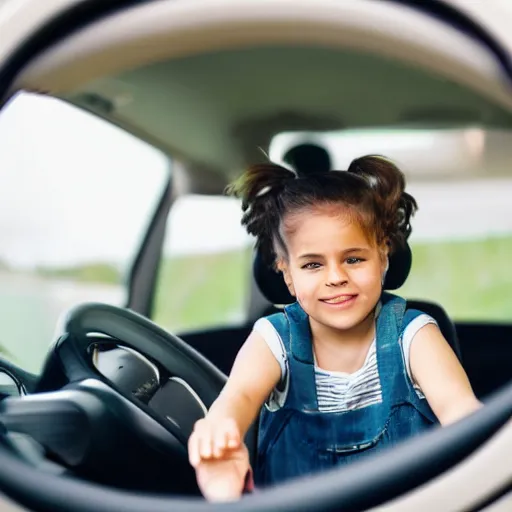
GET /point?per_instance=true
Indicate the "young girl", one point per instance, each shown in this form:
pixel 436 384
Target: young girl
pixel 344 371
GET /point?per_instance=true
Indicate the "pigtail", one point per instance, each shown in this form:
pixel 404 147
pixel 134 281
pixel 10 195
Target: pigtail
pixel 259 188
pixel 394 206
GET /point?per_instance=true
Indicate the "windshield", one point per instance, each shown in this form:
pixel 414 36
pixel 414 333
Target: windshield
pixel 76 195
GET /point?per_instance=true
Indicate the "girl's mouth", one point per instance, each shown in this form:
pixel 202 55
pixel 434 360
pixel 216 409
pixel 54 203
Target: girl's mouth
pixel 340 300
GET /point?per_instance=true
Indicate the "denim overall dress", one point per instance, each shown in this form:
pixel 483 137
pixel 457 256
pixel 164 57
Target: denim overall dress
pixel 298 439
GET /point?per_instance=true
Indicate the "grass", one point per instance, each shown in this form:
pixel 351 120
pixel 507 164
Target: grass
pixel 471 279
pixel 202 290
pixel 91 273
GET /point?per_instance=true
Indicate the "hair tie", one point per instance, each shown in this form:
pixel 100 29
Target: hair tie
pixel 264 190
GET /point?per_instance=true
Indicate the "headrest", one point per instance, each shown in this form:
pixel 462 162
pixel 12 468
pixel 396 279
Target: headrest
pixel 308 158
pixel 273 287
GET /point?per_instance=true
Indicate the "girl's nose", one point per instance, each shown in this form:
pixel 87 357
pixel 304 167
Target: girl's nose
pixel 336 276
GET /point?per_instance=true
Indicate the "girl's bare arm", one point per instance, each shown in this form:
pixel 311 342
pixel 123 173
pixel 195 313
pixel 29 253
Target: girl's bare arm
pixel 438 372
pixel 254 375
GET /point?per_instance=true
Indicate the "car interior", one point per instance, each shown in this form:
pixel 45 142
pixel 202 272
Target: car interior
pixel 104 425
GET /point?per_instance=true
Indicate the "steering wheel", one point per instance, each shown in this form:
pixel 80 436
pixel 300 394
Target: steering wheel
pixel 111 434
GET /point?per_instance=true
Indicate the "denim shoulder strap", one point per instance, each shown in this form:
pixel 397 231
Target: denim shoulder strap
pixel 282 326
pixel 389 353
pixel 409 316
pixel 294 331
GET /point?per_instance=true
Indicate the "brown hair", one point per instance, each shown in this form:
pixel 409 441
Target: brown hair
pixel 372 190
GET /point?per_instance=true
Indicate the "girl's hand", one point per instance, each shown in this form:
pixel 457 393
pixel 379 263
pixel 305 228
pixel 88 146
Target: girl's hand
pixel 211 439
pixel 220 459
pixel 224 479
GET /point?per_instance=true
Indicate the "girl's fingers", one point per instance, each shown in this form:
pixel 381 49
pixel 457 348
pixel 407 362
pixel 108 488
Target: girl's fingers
pixel 200 443
pixel 220 442
pixel 193 450
pixel 206 445
pixel 207 441
pixel 232 434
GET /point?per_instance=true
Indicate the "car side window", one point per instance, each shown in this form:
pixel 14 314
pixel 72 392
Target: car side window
pixel 76 194
pixel 461 245
pixel 204 276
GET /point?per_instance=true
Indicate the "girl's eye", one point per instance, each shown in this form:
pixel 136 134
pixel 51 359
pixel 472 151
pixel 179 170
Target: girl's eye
pixel 311 266
pixel 353 261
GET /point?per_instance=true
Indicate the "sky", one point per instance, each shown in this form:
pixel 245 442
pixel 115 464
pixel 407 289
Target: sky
pixel 74 189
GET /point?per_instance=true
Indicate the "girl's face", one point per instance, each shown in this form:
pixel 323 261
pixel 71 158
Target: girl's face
pixel 332 268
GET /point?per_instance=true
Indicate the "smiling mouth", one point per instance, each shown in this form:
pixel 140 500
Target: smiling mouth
pixel 340 299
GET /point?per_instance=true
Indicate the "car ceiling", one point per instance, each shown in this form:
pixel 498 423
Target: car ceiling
pixel 222 108
pixel 218 110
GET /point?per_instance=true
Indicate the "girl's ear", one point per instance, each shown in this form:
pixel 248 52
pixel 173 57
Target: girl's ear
pixel 283 268
pixel 384 254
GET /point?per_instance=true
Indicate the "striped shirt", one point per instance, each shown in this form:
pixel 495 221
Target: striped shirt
pixel 339 391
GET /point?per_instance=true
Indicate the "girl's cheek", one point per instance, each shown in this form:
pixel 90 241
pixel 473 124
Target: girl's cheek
pixel 301 296
pixel 368 278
